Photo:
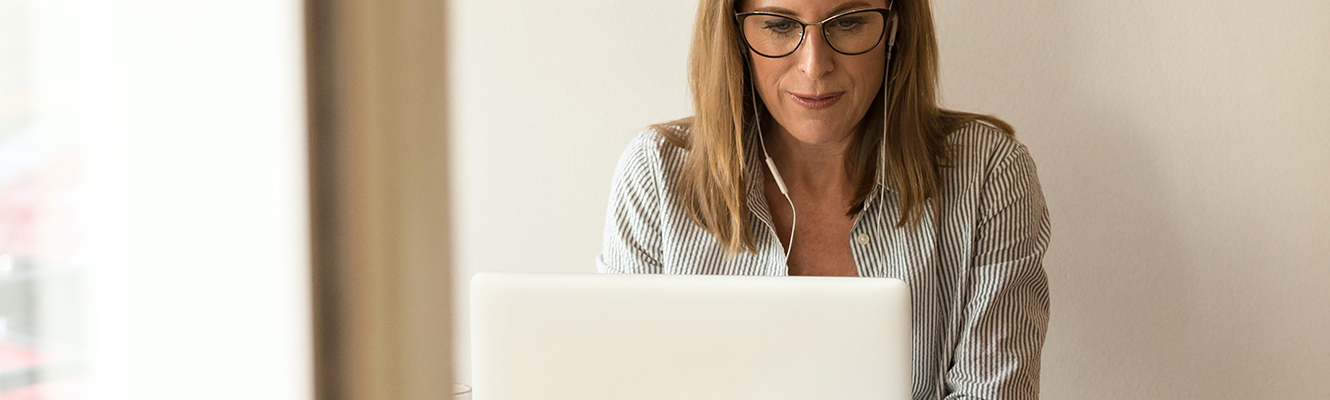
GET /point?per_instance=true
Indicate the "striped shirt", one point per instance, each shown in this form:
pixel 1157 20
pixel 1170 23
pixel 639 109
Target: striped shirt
pixel 978 290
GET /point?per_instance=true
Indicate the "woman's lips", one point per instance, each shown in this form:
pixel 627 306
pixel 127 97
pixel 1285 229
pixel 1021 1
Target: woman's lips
pixel 816 102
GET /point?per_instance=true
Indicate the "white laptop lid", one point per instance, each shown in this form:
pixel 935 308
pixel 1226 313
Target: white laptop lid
pixel 615 337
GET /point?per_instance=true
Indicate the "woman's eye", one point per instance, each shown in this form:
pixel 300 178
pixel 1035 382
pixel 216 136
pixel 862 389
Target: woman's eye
pixel 847 23
pixel 779 26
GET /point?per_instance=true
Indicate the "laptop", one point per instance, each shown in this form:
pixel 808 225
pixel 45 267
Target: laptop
pixel 672 337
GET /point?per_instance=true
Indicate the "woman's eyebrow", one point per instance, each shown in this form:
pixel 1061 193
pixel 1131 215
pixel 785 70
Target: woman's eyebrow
pixel 837 10
pixel 847 7
pixel 777 10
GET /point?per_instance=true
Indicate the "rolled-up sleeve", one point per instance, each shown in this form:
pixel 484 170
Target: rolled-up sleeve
pixel 1005 306
pixel 632 221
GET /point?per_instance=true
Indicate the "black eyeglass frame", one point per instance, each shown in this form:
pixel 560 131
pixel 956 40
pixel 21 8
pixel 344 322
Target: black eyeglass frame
pixel 803 30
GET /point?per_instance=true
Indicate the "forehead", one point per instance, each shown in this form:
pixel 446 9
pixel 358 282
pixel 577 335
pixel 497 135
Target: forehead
pixel 808 9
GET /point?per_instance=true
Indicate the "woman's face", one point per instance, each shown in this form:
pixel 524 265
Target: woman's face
pixel 817 95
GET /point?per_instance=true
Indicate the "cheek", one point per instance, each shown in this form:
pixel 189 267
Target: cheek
pixel 769 73
pixel 868 80
pixel 869 71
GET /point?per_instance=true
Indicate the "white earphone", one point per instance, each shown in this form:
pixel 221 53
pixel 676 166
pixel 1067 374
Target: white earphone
pixel 775 174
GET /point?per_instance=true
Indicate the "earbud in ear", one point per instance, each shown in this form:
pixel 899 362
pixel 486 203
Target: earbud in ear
pixel 895 22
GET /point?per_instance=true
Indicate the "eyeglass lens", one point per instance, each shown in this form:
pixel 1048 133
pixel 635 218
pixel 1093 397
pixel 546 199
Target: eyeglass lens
pixel 775 36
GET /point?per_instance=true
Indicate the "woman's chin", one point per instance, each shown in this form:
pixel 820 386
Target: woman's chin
pixel 820 138
pixel 821 132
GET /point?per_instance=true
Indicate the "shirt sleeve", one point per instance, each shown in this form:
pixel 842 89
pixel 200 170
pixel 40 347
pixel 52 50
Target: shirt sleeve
pixel 1005 314
pixel 632 221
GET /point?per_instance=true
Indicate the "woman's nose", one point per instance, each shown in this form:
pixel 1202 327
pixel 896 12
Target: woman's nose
pixel 815 55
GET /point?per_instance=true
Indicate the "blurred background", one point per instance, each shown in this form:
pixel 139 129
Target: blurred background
pixel 269 199
pixel 153 207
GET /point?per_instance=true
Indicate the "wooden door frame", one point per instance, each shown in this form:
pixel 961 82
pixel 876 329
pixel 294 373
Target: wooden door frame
pixel 379 198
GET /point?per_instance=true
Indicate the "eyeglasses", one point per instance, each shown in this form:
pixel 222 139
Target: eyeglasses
pixel 850 33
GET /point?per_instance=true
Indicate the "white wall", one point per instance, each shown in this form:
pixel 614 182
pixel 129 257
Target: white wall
pixel 546 95
pixel 1181 145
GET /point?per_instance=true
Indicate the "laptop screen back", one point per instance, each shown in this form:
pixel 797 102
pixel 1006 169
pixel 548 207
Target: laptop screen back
pixel 613 337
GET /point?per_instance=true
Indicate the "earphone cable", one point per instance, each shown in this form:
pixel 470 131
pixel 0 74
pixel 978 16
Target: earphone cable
pixel 780 183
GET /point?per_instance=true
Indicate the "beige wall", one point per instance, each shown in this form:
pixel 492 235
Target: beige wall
pixel 1180 143
pixel 1183 148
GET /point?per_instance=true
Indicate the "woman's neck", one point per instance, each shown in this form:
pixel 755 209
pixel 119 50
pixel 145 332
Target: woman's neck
pixel 811 168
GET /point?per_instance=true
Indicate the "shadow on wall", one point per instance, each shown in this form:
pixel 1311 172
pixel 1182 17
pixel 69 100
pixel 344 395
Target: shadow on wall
pixel 1177 268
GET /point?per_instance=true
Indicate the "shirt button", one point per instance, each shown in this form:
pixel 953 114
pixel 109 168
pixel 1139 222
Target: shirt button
pixel 862 239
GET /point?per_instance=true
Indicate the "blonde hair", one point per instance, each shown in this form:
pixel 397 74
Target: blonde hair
pixel 713 182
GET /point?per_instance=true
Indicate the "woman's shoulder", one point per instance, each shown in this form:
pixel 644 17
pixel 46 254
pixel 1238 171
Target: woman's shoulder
pixel 984 145
pixel 656 151
pixel 671 136
pixel 676 131
pixel 660 144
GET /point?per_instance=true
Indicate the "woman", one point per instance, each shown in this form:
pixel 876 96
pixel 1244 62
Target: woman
pixel 817 148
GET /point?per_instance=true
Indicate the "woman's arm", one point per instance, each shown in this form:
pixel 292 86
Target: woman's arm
pixel 632 221
pixel 1005 312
